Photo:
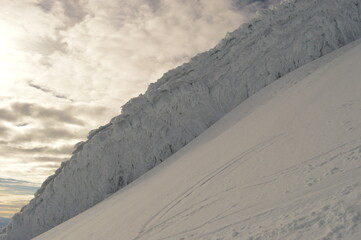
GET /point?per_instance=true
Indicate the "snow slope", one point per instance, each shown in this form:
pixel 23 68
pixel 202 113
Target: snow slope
pixel 184 103
pixel 284 164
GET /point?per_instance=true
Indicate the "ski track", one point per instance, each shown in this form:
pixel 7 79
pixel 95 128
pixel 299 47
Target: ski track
pixel 326 161
pixel 148 227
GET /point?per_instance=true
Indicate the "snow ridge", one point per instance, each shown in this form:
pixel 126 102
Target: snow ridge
pixel 184 103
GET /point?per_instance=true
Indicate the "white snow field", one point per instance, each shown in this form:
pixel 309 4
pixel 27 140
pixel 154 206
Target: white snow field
pixel 188 100
pixel 284 164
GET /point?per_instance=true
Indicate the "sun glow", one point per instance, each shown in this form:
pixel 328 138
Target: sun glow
pixel 6 66
pixel 2 46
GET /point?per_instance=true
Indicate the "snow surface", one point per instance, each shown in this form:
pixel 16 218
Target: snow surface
pixel 284 164
pixel 184 103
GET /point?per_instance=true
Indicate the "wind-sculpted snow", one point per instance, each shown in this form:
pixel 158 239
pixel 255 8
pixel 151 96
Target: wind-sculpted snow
pixel 184 103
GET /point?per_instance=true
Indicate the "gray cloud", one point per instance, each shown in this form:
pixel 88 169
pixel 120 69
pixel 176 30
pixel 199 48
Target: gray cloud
pixel 33 123
pixel 51 159
pixel 37 135
pixel 45 134
pixel 72 8
pixel 44 113
pixel 12 181
pixel 46 5
pixel 155 5
pixel 70 113
pixel 45 90
pixel 8 115
pixel 22 124
pixel 4 132
pixel 14 150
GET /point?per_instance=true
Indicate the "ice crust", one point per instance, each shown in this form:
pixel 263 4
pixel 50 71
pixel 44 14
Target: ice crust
pixel 184 103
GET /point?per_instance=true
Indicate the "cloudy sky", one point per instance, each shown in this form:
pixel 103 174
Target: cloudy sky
pixel 67 66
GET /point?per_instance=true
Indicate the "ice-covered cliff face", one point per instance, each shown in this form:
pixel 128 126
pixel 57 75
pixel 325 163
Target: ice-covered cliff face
pixel 185 102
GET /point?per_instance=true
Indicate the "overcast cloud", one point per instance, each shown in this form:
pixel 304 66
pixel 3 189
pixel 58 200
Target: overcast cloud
pixel 67 66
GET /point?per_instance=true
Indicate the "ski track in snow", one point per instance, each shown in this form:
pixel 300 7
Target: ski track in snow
pixel 333 215
pixel 148 227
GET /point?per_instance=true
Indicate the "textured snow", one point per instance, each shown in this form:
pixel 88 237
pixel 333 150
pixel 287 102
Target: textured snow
pixel 284 164
pixel 184 103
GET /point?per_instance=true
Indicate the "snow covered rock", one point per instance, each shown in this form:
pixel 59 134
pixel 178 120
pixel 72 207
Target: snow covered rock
pixel 184 103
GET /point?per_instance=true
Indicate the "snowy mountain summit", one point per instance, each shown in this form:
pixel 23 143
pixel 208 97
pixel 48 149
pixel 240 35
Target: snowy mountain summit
pixel 188 100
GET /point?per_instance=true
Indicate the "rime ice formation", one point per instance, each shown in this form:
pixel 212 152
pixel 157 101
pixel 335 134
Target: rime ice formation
pixel 296 175
pixel 184 103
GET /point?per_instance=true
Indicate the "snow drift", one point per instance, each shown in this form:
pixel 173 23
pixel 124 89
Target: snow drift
pixel 184 103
